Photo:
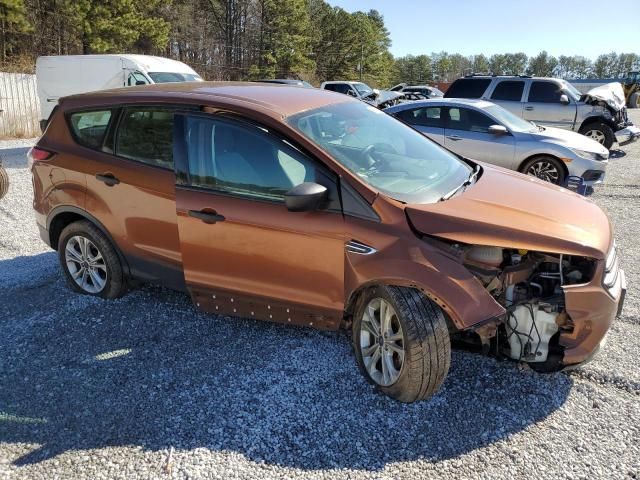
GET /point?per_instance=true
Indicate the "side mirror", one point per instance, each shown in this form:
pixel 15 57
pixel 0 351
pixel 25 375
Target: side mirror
pixel 305 197
pixel 140 82
pixel 352 93
pixel 564 100
pixel 498 130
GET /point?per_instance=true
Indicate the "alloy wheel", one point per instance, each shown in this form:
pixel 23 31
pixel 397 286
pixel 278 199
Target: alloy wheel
pixel 85 264
pixel 596 135
pixel 382 342
pixel 545 171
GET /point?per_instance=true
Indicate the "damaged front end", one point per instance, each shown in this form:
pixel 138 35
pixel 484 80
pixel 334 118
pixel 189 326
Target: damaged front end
pixel 608 102
pixel 537 291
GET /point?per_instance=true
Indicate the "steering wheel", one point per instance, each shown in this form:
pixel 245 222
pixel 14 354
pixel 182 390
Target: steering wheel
pixel 368 154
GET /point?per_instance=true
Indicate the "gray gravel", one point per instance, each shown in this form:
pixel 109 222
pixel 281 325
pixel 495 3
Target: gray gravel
pixel 146 387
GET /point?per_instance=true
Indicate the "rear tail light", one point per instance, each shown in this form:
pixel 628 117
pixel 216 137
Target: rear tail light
pixel 38 155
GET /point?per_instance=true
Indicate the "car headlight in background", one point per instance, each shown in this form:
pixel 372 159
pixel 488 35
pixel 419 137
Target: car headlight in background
pixel 590 155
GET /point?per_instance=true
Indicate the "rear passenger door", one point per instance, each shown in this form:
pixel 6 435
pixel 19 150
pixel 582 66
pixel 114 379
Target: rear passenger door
pixel 131 189
pixel 427 120
pixel 543 105
pixel 244 253
pixel 467 134
pixel 509 95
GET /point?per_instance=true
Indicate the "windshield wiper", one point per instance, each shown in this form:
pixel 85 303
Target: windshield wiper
pixel 469 181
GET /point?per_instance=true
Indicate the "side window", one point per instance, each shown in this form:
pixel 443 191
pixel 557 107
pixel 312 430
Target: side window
pixel 243 160
pixel 468 120
pixel 425 117
pixel 89 128
pixel 508 90
pixel 468 88
pixel 136 77
pixel 330 86
pixel 545 92
pixel 146 135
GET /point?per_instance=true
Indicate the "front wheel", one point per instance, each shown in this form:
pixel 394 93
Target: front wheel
pixel 600 132
pixel 545 168
pixel 401 342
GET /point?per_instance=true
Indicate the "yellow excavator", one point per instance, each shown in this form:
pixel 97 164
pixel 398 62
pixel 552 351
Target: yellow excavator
pixel 631 87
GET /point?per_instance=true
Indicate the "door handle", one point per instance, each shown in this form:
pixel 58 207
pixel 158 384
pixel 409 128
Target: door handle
pixel 108 179
pixel 206 216
pixel 528 108
pixel 455 138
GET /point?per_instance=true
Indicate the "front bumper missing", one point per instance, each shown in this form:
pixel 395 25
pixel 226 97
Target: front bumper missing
pixel 627 135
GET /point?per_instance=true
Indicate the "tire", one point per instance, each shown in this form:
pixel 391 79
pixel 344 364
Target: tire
pixel 546 168
pixel 4 182
pixel 634 100
pixel 421 332
pixel 600 132
pixel 108 268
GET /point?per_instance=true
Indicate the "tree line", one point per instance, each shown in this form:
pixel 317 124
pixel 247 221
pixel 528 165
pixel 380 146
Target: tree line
pixel 252 39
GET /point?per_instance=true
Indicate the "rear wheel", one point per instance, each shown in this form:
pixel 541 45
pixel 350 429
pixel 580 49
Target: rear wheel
pixel 401 341
pixel 4 182
pixel 600 132
pixel 89 261
pixel 545 168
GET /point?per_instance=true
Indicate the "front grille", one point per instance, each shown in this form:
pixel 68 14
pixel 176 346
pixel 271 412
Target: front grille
pixel 611 268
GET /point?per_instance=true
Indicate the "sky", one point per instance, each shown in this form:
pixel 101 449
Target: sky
pixel 565 27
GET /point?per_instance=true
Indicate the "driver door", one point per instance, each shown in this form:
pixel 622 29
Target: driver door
pixel 243 252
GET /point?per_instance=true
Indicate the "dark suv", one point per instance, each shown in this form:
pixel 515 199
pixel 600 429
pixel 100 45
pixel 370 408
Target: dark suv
pixel 306 207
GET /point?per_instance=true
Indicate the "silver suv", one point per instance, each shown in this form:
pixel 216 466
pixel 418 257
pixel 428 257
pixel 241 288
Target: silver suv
pixel 552 102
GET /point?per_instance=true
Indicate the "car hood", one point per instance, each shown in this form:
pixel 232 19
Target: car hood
pixel 570 139
pixel 611 93
pixel 507 209
pixel 385 96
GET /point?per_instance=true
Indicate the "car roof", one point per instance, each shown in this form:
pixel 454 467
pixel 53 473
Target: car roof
pixel 433 102
pixel 507 77
pixel 280 100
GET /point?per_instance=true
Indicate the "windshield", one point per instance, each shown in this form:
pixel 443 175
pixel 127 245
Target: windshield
pixel 383 152
pixel 168 77
pixel 572 91
pixel 363 89
pixel 509 120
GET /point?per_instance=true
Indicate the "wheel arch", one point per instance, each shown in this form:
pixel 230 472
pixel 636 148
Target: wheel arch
pixel 597 119
pixel 540 155
pixel 354 297
pixel 64 215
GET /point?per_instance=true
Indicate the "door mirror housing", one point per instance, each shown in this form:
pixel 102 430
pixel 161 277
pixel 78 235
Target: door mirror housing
pixel 305 197
pixel 498 130
pixel 564 100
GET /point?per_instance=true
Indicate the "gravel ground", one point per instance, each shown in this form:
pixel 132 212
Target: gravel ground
pixel 146 387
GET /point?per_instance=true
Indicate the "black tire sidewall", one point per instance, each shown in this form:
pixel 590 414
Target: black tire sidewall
pixel 4 182
pixel 115 281
pixel 557 163
pixel 607 131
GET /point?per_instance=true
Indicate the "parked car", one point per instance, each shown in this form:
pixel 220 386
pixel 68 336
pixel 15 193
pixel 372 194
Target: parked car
pixel 286 81
pixel 304 207
pixel 4 181
pixel 362 91
pixel 61 75
pixel 599 114
pixel 427 90
pixel 487 132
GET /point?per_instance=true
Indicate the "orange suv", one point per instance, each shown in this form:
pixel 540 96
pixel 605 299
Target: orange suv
pixel 308 207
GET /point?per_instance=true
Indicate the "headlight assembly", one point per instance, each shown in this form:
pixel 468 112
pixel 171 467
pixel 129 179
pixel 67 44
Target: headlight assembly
pixel 589 155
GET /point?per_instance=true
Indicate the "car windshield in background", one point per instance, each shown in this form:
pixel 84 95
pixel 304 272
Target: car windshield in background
pixel 509 120
pixel 572 91
pixel 168 77
pixel 383 152
pixel 363 89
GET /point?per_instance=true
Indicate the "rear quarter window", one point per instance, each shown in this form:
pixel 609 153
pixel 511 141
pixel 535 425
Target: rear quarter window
pixel 89 128
pixel 468 88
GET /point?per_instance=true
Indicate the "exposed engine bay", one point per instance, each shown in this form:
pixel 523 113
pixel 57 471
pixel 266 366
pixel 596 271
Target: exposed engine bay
pixel 530 287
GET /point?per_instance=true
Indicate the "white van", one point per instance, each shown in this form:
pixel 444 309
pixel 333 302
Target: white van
pixel 59 76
